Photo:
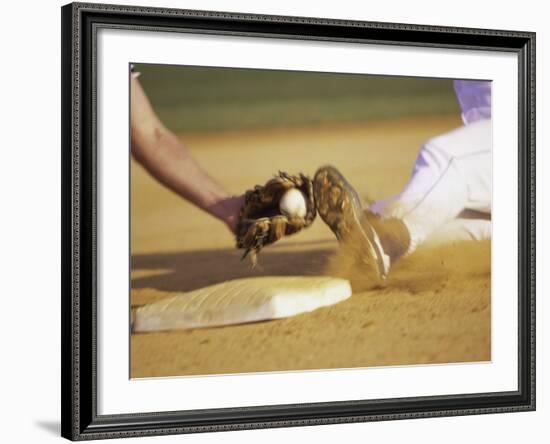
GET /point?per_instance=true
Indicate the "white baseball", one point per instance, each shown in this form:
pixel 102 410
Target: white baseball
pixel 293 203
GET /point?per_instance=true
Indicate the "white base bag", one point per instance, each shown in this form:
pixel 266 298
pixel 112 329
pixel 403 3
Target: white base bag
pixel 240 301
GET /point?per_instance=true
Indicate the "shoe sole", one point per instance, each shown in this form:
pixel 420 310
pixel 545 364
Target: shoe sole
pixel 340 207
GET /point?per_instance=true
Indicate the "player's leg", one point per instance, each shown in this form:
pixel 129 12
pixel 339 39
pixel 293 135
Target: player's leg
pixel 452 173
pixel 461 229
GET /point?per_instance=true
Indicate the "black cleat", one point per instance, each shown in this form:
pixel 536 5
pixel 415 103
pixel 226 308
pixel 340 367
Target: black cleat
pixel 339 206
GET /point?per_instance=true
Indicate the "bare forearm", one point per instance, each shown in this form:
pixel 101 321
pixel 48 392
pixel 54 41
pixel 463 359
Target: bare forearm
pixel 168 160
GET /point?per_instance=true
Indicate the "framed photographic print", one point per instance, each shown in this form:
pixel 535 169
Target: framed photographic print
pixel 280 221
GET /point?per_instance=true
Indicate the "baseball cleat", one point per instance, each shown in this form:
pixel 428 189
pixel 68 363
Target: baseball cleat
pixel 340 207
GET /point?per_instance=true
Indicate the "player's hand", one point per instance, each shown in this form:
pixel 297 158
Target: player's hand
pixel 283 206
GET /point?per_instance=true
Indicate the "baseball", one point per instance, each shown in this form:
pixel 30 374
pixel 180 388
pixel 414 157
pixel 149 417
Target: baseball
pixel 293 203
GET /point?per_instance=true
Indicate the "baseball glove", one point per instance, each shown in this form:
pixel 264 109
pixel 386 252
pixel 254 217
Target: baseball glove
pixel 261 222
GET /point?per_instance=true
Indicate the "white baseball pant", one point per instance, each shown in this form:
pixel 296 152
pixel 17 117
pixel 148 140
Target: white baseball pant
pixel 448 196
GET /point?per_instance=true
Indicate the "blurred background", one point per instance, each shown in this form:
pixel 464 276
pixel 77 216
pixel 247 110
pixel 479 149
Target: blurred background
pixel 189 99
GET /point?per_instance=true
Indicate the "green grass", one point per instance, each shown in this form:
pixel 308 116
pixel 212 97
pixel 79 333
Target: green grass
pixel 213 99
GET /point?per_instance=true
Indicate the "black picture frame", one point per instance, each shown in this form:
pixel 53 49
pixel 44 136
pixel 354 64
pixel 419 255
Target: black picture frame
pixel 80 420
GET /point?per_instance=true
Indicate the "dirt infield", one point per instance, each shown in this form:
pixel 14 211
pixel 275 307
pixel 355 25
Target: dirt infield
pixel 434 308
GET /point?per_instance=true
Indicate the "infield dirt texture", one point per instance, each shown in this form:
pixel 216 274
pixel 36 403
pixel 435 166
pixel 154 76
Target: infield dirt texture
pixel 434 308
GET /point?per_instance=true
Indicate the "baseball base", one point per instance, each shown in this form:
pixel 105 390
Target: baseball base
pixel 241 301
